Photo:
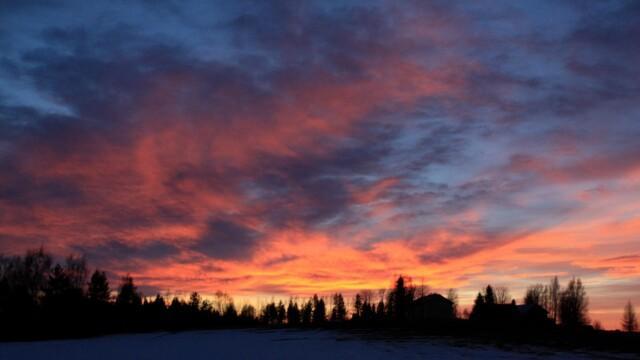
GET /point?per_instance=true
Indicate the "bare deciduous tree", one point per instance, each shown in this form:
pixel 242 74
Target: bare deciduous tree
pixel 221 301
pixel 367 296
pixel 553 299
pixel 574 304
pixel 535 295
pixel 76 270
pixel 452 295
pixel 502 295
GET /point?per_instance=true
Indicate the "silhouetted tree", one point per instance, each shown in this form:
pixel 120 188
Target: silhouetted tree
pixel 535 295
pixel 380 313
pixel 369 307
pixel 502 295
pixel 66 284
pixel 479 306
pixel 207 307
pixel 5 286
pixel 306 313
pixel 178 313
pixel 629 319
pixel 64 301
pixel 24 282
pixel 247 313
pixel 479 301
pixel 154 312
pixel 339 311
pixel 357 308
pixel 230 313
pixel 98 290
pixel 76 270
pixel 489 296
pixel 194 301
pixel 368 311
pixel 158 307
pixel 574 304
pixel 293 313
pixel 399 300
pixel 59 290
pixel 452 295
pixel 128 295
pixel 553 299
pixel 282 313
pixel 176 304
pixel 319 310
pixel 270 314
pixel 159 302
pixel 37 265
pixel 422 289
pixel 221 301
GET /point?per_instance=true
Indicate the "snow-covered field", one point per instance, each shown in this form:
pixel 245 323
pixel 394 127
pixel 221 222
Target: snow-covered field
pixel 263 344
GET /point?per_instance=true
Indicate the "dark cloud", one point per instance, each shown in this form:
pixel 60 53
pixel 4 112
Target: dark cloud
pixel 280 260
pixel 478 243
pixel 25 191
pixel 624 258
pixel 120 251
pixel 544 268
pixel 227 240
pixel 270 289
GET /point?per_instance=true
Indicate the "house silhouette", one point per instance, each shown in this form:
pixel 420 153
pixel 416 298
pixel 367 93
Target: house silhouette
pixel 432 306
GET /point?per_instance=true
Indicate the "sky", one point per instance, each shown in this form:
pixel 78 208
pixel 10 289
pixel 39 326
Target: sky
pixel 286 148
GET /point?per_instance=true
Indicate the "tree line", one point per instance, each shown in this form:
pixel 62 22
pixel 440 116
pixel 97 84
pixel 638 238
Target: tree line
pixel 41 299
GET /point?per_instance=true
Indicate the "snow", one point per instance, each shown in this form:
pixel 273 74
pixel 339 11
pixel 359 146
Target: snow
pixel 263 344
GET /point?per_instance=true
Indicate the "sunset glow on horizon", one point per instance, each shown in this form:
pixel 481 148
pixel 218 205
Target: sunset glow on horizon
pixel 276 149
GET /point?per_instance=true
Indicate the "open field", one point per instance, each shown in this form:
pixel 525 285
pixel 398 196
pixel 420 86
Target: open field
pixel 271 344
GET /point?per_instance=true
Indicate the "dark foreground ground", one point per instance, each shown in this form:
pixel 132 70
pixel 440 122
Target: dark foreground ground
pixel 282 344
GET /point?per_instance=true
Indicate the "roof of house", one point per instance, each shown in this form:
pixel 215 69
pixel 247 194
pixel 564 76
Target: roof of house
pixel 529 308
pixel 431 298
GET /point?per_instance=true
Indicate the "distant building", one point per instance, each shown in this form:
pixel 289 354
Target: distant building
pixel 530 315
pixel 432 306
